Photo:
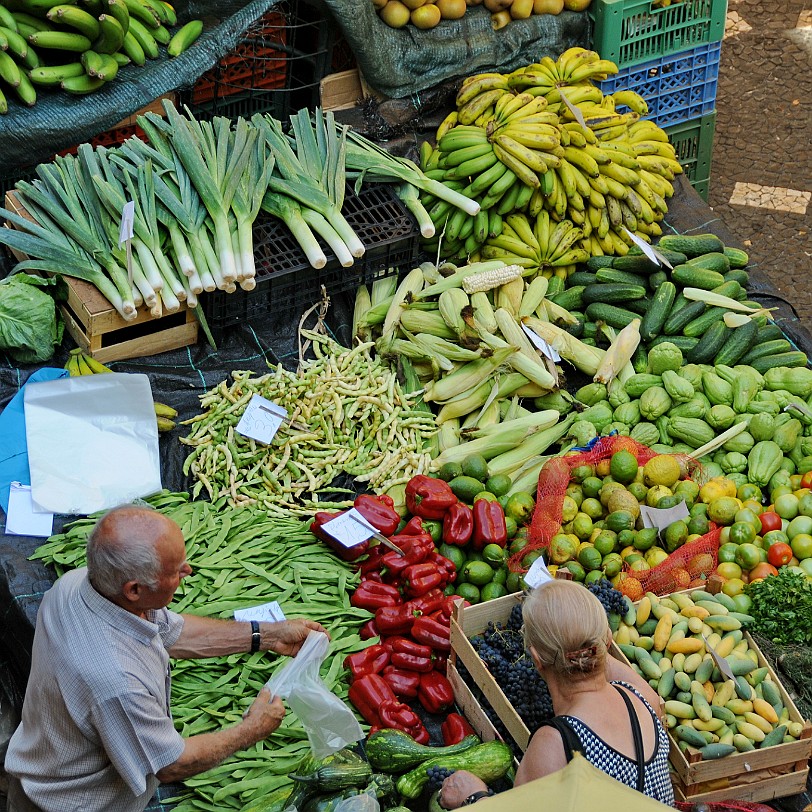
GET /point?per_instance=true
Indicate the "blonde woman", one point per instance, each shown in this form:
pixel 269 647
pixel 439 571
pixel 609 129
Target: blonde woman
pixel 603 708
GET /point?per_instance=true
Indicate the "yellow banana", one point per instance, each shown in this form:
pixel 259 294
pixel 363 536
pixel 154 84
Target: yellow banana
pixel 519 223
pixel 573 59
pixel 531 140
pixel 620 157
pixel 480 84
pixel 583 160
pixel 634 101
pixel 162 410
pixel 446 124
pixel 474 108
pixel 662 148
pixel 596 69
pixel 619 173
pixel 527 106
pixel 611 133
pixel 94 364
pixel 646 130
pixel 517 166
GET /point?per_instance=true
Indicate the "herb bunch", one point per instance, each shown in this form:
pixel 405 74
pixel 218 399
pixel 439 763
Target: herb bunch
pixel 782 608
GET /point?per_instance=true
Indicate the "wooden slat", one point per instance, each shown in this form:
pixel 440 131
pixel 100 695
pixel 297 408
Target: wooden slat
pixel 764 789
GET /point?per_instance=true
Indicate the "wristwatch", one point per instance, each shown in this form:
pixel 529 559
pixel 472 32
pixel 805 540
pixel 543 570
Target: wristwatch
pixel 256 637
pixel 477 796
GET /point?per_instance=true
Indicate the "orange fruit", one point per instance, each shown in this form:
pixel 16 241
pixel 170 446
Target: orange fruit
pixel 680 577
pixel 629 586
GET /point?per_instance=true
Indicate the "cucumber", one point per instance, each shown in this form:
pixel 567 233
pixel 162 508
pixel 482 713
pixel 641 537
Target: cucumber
pixel 692 245
pixel 738 344
pixel 782 359
pixel 678 318
pixel 657 312
pixel 635 263
pixel 595 263
pixel 766 348
pixel 692 276
pixel 638 306
pixel 554 285
pixel 685 343
pixel 581 278
pixel 731 289
pixel 699 326
pixel 640 359
pixel 635 255
pixel 709 344
pixel 769 332
pixel 570 299
pixel 737 258
pixel 614 292
pixel 624 277
pixel 614 316
pixel 656 279
pixel 738 275
pixel 714 261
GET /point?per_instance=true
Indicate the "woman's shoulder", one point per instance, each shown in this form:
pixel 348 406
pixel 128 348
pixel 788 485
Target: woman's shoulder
pixel 544 755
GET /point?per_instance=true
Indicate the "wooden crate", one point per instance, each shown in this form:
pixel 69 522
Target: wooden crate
pixel 95 325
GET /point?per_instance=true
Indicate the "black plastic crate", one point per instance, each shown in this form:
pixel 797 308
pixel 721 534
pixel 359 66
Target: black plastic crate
pixel 285 280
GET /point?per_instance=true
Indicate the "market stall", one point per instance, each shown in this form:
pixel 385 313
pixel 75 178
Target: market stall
pixel 448 330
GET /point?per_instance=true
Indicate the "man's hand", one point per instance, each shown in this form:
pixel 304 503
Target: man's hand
pixel 287 636
pixel 458 786
pixel 265 715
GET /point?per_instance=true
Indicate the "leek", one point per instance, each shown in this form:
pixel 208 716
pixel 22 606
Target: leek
pixel 408 194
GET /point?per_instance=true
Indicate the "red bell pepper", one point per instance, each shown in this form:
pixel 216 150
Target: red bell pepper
pixel 371 660
pixel 369 630
pixel 344 553
pixel 403 683
pixel 433 600
pixel 440 663
pixel 409 655
pixel 489 524
pixel 428 498
pixel 368 694
pixel 405 645
pixel 414 527
pixel 428 631
pixel 415 549
pixel 372 563
pixel 396 619
pixel 455 729
pixel 379 511
pixel 400 716
pixel 418 579
pixel 435 692
pixel 458 525
pixel 372 595
pixel 446 566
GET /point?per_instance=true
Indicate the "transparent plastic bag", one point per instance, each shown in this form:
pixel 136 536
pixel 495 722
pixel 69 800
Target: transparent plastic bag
pixel 363 802
pixel 328 722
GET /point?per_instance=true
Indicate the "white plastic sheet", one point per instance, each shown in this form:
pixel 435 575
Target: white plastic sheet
pixel 92 442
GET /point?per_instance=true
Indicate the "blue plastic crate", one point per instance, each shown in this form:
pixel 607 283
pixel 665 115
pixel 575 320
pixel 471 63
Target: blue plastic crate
pixel 677 88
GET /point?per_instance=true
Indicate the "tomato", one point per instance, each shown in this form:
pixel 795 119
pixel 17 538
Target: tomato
pixel 770 521
pixel 727 553
pixel 806 480
pixel 742 533
pixel 779 554
pixel 802 546
pixel 762 571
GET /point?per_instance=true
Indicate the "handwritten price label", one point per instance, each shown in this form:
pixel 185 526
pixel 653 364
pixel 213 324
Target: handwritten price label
pixel 349 529
pixel 261 419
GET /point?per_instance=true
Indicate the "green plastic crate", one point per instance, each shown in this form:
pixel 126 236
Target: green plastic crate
pixel 633 31
pixel 693 142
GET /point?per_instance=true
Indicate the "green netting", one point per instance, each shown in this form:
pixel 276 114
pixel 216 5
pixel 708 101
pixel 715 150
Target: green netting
pixel 401 62
pixel 794 667
pixel 58 120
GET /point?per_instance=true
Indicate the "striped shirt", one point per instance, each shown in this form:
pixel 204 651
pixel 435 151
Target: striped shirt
pixel 96 725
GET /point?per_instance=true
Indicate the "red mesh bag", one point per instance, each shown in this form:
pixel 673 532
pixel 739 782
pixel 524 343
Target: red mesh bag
pixel 695 559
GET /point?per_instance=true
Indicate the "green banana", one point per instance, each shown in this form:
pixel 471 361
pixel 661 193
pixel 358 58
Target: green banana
pixel 75 17
pixel 81 85
pixel 185 37
pixel 52 75
pixel 111 35
pixel 145 38
pixel 60 41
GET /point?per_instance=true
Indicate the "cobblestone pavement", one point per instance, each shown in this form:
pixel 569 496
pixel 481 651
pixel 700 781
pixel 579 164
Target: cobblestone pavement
pixel 761 175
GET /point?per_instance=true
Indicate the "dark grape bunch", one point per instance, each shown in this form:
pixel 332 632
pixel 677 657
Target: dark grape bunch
pixel 610 598
pixel 436 776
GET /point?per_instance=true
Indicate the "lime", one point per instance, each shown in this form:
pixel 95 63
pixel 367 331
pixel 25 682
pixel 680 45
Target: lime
pixel 511 527
pixel 575 493
pixel 626 537
pixel 590 558
pixel 498 484
pixel 569 508
pixel 592 507
pixel 676 534
pixel 434 529
pixel 493 590
pixel 638 490
pixel 581 472
pixel 453 554
pixel 520 507
pixel 582 526
pixel 612 564
pixel 514 582
pixel 655 493
pixel 605 542
pixel 620 520
pixel 450 471
pixel 591 486
pixel 451 589
pixel 698 524
pixel 503 500
pixel 473 555
pixel 519 542
pixel 487 496
pixel 468 592
pixel 527 560
pixel 494 554
pixel 623 467
pixel 465 488
pixel 478 573
pixel 578 572
pixel 500 576
pixel 645 538
pixel 562 548
pixel 669 501
pixel 476 466
pixel 593 576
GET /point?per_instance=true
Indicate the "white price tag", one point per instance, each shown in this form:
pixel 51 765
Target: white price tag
pixel 349 529
pixel 662 517
pixel 721 663
pixel 541 345
pixel 261 419
pixel 538 574
pixel 655 256
pixel 21 520
pixel 265 613
pixel 125 230
pixel 574 109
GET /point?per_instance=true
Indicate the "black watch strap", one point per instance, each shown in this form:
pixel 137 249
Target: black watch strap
pixel 256 637
pixel 477 796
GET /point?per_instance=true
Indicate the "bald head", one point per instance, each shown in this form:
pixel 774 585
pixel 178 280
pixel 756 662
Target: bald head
pixel 129 543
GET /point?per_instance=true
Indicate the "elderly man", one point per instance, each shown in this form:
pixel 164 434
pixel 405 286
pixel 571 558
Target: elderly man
pixel 96 731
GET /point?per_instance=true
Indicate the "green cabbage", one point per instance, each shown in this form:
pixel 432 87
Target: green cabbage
pixel 30 325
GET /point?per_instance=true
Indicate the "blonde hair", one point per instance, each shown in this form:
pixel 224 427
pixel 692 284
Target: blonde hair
pixel 567 627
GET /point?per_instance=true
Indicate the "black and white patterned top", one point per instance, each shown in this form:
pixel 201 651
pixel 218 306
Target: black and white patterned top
pixel 622 768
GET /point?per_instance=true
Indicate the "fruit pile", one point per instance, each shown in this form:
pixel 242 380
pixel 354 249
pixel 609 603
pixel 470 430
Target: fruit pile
pixel 80 47
pixel 545 139
pixel 668 642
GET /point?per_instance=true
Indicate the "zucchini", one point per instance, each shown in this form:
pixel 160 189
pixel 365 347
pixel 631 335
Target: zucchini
pixel 766 348
pixel 680 316
pixel 570 299
pixel 612 293
pixel 395 751
pixel 709 344
pixel 614 316
pixel 769 332
pixel 731 289
pixel 350 770
pixel 699 326
pixel 581 278
pixel 640 359
pixel 738 343
pixel 738 275
pixel 737 258
pixel 685 343
pixel 794 358
pixel 657 311
pixel 595 263
pixel 714 261
pixel 692 276
pixel 624 277
pixel 692 245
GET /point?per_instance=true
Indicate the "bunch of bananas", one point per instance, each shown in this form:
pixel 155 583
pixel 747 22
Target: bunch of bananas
pixel 545 138
pixel 95 37
pixel 81 363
